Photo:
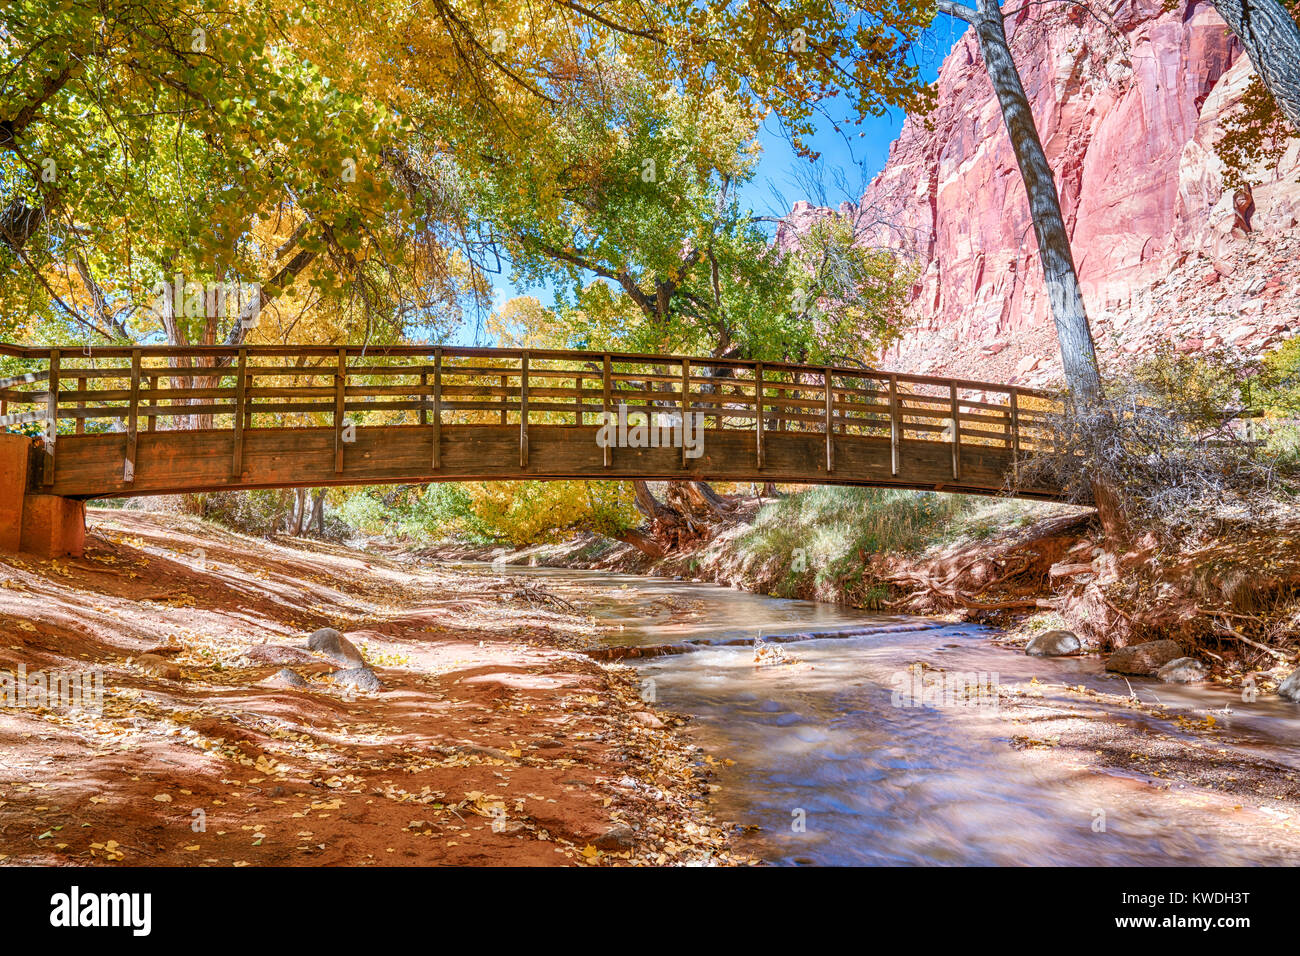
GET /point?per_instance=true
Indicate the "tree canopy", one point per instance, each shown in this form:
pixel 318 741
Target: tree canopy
pixel 324 163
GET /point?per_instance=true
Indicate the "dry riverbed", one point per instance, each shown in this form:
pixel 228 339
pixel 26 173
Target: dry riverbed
pixel 493 740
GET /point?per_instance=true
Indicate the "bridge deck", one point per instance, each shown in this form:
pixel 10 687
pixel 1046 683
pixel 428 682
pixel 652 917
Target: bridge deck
pixel 163 420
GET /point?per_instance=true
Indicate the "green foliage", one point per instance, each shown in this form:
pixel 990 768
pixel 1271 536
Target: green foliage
pixel 435 512
pixel 1278 385
pixel 1201 386
pixel 824 535
pixel 1277 392
pixel 849 297
pixel 444 511
pixel 638 188
pixel 237 144
pixel 259 142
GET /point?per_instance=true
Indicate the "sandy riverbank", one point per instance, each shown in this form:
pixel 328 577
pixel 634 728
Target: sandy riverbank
pixel 492 740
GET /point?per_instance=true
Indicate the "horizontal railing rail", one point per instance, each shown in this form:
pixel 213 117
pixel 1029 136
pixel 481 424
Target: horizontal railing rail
pixel 74 390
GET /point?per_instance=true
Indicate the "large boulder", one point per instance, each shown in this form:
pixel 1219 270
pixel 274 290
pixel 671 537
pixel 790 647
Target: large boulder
pixel 1053 644
pixel 358 678
pixel 1183 670
pixel 1290 688
pixel 1143 659
pixel 336 647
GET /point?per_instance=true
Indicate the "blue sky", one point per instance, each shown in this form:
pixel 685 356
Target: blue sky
pixel 856 152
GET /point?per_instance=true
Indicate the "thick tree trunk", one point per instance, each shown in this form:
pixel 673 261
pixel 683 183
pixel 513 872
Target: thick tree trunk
pixel 703 498
pixel 688 513
pixel 1065 297
pixel 1271 37
pixel 646 502
pixel 299 511
pixel 318 512
pixel 643 543
pixel 1110 512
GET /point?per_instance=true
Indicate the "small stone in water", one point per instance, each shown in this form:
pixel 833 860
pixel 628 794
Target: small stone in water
pixel 1183 670
pixel 1053 644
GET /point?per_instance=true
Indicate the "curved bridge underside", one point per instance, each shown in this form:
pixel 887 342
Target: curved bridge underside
pixel 90 466
pixel 161 420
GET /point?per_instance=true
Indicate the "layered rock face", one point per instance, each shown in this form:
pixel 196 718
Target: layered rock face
pixel 1129 104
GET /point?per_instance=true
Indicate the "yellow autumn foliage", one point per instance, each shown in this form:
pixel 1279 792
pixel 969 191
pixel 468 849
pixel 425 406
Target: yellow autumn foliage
pixel 531 512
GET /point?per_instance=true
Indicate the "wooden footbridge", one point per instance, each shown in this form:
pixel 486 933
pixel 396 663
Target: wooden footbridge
pixel 153 420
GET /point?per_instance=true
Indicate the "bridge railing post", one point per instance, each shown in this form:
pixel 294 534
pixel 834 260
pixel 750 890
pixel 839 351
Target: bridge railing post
pixel 150 385
pixel 955 410
pixel 437 409
pixel 608 387
pixel 686 405
pixel 80 427
pixel 340 405
pixel 51 419
pixel 758 414
pixel 132 419
pixel 523 410
pixel 241 402
pixel 829 389
pixel 1015 436
pixel 895 426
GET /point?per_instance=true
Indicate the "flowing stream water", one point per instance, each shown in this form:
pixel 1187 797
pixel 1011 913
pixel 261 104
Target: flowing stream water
pixel 825 768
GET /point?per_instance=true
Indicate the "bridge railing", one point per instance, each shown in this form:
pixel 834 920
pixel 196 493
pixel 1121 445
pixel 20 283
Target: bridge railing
pixel 74 390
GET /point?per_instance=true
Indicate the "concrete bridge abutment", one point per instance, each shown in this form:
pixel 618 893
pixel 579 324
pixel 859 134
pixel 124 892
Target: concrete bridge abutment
pixel 32 522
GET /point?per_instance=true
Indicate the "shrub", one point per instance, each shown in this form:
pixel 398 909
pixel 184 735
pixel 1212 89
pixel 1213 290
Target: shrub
pixel 260 512
pixel 1172 442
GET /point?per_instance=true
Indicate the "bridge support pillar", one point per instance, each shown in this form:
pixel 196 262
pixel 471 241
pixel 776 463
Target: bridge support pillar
pixel 45 525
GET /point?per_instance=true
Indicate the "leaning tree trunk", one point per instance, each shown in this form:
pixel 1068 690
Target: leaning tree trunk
pixel 1064 295
pixel 642 542
pixel 703 500
pixel 1271 37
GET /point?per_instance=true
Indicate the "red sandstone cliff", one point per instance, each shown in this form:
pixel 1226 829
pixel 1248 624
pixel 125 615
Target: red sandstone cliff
pixel 1128 105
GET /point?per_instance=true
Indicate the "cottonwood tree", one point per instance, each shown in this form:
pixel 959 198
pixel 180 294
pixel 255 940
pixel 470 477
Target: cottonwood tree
pixel 291 144
pixel 645 237
pixel 283 142
pixel 225 143
pixel 630 208
pixel 1064 293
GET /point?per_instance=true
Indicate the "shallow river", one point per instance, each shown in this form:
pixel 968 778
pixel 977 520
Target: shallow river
pixel 828 770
